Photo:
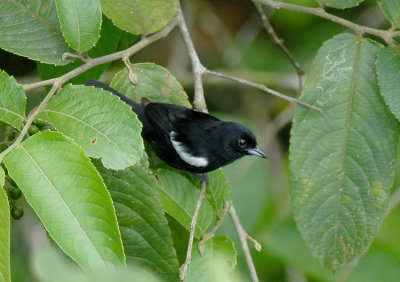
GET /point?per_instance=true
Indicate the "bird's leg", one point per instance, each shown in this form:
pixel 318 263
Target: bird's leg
pixel 202 177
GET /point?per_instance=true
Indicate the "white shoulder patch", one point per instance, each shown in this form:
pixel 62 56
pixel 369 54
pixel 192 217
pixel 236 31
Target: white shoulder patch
pixel 184 153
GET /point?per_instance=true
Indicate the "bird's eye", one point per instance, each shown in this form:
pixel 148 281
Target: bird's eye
pixel 242 143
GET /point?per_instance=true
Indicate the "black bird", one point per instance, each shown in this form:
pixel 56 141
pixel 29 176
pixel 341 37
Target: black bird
pixel 187 139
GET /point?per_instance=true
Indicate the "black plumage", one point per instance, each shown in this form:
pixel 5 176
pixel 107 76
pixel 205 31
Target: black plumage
pixel 187 139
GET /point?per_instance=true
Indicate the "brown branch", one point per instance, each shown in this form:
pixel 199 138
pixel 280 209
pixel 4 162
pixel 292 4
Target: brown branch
pixel 198 69
pixel 108 58
pixel 263 88
pixel 386 35
pixel 243 240
pixel 193 225
pixel 268 27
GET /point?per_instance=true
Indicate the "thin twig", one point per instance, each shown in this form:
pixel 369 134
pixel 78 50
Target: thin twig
pixel 394 200
pixel 263 88
pixel 29 121
pixel 268 27
pixel 386 35
pixel 198 69
pixel 243 240
pixel 108 58
pixel 193 225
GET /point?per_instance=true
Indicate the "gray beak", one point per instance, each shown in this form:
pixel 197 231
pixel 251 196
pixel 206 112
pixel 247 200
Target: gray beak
pixel 257 152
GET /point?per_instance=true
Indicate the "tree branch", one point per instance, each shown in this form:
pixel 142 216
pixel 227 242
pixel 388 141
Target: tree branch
pixel 108 58
pixel 198 69
pixel 243 240
pixel 263 88
pixel 193 225
pixel 386 35
pixel 268 27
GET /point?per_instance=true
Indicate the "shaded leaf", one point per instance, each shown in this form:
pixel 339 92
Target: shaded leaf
pixel 5 232
pixel 48 266
pixel 99 122
pixel 179 197
pixel 12 101
pixel 139 16
pixel 391 9
pixel 69 197
pixel 342 161
pixel 30 28
pixel 388 70
pixel 340 4
pixel 144 228
pixel 218 259
pixel 80 22
pixel 108 43
pixel 153 82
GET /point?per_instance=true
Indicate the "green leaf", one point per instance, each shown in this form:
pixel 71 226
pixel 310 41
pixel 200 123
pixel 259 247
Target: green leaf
pixel 144 228
pixel 5 232
pixel 30 28
pixel 80 22
pixel 342 160
pixel 218 190
pixel 391 9
pixel 153 82
pixel 99 122
pixel 388 70
pixel 107 44
pixel 48 265
pixel 12 101
pixel 69 197
pixel 216 262
pixel 139 16
pixel 340 4
pixel 179 197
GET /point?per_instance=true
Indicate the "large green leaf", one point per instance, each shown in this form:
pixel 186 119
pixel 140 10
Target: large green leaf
pixel 391 9
pixel 12 101
pixel 5 232
pixel 216 262
pixel 153 82
pixel 80 22
pixel 30 28
pixel 340 4
pixel 139 16
pixel 388 70
pixel 48 265
pixel 99 122
pixel 179 197
pixel 144 228
pixel 342 160
pixel 108 43
pixel 69 197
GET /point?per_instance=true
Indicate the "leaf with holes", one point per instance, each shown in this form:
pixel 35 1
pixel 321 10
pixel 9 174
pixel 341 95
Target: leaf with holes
pixel 80 22
pixel 340 4
pixel 12 101
pixel 388 70
pixel 69 197
pixel 30 28
pixel 391 9
pixel 5 232
pixel 153 82
pixel 139 16
pixel 342 160
pixel 179 197
pixel 99 122
pixel 144 228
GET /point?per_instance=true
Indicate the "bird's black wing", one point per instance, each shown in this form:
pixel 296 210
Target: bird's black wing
pixel 192 128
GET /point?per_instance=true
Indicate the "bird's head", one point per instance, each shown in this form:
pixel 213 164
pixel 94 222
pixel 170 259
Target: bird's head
pixel 239 140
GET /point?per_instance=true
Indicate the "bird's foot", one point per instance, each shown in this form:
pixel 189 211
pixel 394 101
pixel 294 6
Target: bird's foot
pixel 202 177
